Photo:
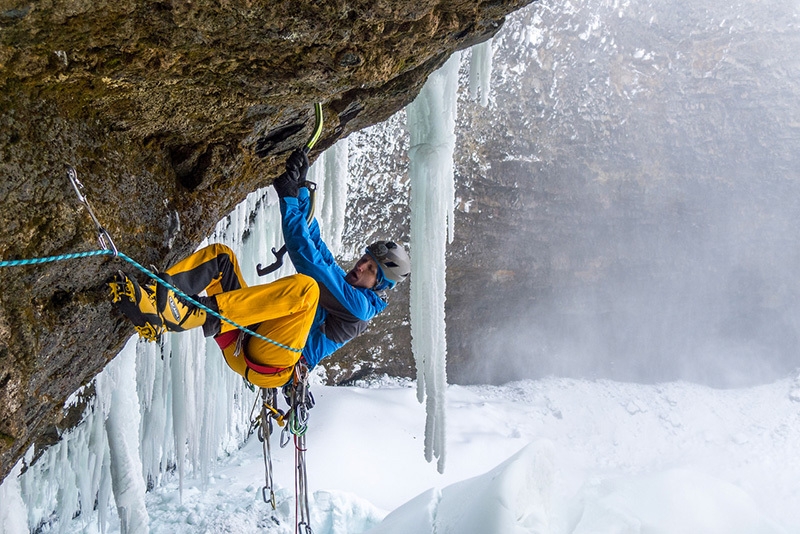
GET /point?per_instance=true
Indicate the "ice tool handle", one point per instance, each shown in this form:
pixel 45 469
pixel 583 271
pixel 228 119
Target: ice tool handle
pixel 317 128
pixel 312 188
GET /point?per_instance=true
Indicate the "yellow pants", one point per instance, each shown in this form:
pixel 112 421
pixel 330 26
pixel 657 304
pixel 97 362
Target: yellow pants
pixel 282 311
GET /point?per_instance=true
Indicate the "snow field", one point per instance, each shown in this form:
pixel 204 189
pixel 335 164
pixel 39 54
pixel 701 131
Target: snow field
pixel 590 457
pixel 550 456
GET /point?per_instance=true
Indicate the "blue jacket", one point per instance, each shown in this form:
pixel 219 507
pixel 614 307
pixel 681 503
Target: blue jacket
pixel 311 257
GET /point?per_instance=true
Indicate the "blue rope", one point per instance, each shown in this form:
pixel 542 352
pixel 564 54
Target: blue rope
pixel 62 257
pixel 48 259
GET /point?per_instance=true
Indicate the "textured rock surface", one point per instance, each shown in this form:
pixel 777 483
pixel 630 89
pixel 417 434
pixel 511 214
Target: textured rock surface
pixel 163 107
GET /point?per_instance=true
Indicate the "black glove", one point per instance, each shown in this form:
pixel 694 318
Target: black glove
pixel 285 186
pixel 297 166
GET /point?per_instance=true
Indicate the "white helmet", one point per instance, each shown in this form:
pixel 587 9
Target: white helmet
pixel 392 259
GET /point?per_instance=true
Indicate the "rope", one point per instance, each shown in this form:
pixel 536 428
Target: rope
pixel 48 259
pixel 62 257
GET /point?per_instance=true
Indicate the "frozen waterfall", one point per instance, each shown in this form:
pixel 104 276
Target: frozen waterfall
pixel 332 166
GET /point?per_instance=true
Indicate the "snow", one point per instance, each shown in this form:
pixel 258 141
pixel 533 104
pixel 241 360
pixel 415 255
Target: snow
pixel 12 507
pixel 549 456
pixel 431 128
pixel 696 502
pixel 513 497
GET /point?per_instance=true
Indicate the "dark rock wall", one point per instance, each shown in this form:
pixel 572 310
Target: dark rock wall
pixel 634 197
pixel 169 111
pixel 627 202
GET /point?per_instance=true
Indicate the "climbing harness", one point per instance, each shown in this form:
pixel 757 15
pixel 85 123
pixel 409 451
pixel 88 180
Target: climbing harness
pixel 294 424
pixel 109 249
pixel 312 188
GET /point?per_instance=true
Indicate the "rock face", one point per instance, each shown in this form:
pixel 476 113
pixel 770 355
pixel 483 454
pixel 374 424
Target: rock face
pixel 629 199
pixel 171 112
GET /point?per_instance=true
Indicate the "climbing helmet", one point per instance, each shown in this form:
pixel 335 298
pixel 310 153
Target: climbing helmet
pixel 393 260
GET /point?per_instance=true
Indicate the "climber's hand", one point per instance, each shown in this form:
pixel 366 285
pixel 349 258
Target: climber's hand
pixel 285 186
pixel 297 166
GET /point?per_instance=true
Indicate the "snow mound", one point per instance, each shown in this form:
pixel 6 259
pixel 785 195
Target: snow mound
pixel 512 498
pixel 676 501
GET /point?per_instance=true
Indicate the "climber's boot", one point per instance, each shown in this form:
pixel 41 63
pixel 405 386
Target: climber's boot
pixel 137 304
pixel 176 313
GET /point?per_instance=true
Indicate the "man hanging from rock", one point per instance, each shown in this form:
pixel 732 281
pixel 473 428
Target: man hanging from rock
pixel 318 310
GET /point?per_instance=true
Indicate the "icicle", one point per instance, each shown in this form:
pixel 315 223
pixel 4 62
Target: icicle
pixel 153 385
pixel 431 125
pixel 336 182
pixel 179 408
pixel 122 429
pixel 316 174
pixel 13 510
pixel 480 72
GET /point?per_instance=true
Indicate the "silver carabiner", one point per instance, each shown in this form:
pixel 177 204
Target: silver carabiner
pixel 286 436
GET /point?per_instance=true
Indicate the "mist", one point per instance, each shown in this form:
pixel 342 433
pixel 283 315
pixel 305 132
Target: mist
pixel 640 205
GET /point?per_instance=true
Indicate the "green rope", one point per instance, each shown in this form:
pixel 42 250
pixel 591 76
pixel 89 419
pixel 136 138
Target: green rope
pixel 62 257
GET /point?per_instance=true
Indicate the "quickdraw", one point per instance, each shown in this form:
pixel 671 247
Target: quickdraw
pixel 302 402
pixel 264 423
pixel 103 237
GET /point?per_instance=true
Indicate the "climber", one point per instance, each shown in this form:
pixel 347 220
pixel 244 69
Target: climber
pixel 318 310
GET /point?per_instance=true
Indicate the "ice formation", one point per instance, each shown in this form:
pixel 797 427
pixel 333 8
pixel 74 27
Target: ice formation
pixel 431 127
pixel 118 386
pixel 513 497
pixel 334 200
pixel 480 72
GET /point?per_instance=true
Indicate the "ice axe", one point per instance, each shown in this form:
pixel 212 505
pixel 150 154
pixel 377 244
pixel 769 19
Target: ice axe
pixel 312 188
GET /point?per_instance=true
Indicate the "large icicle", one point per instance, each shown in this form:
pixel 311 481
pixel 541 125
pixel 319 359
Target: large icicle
pixel 431 126
pixel 480 72
pixel 330 174
pixel 118 384
pixel 335 201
